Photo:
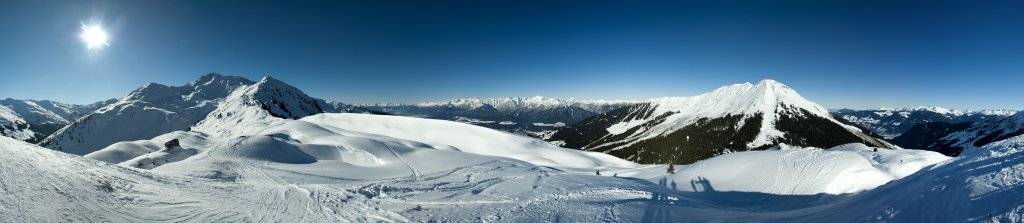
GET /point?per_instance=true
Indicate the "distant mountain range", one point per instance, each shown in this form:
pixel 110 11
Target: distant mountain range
pixel 33 120
pixel 892 122
pixel 732 118
pixel 953 138
pixel 518 114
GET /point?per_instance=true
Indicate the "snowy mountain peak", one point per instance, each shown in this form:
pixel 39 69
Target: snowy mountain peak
pixel 772 84
pixel 765 98
pixel 734 117
pixel 281 100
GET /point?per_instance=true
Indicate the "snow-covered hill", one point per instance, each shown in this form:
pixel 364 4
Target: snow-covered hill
pixel 517 114
pixel 891 122
pixel 951 139
pixel 732 118
pixel 40 118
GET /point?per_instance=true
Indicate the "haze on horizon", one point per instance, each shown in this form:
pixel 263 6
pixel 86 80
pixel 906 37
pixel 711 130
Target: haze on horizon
pixel 846 54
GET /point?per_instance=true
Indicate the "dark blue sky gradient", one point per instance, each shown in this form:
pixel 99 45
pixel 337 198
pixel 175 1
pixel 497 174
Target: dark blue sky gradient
pixel 859 54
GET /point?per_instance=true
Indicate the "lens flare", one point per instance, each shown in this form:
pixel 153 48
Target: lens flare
pixel 94 36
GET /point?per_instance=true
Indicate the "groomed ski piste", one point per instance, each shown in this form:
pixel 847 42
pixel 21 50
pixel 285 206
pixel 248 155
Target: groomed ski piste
pixel 244 164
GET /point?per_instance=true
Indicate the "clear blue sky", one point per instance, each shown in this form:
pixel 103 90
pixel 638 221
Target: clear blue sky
pixel 859 54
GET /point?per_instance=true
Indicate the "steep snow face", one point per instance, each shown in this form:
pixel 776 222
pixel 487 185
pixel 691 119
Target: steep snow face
pixel 146 112
pixel 892 122
pixel 519 115
pixel 741 116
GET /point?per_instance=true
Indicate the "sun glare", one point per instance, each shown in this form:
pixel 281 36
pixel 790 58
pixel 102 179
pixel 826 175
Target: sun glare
pixel 94 36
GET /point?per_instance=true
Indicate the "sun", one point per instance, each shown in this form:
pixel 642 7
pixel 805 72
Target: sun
pixel 94 36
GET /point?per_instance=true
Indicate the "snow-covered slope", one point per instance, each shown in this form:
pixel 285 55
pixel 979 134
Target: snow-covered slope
pixel 735 117
pixel 287 174
pixel 891 122
pixel 147 112
pixel 514 114
pixel 982 185
pixel 41 118
pixel 470 139
pixel 789 170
